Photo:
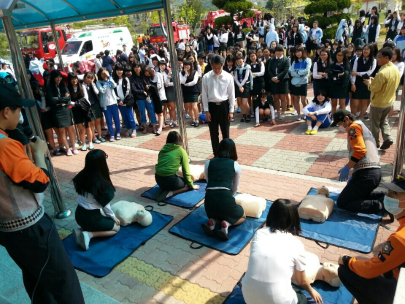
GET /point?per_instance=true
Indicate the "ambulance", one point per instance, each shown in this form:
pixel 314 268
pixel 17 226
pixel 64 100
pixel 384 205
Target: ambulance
pixel 87 44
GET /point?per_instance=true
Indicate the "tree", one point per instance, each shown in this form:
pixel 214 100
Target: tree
pixel 238 8
pixel 269 5
pixel 4 47
pixel 328 13
pixel 191 11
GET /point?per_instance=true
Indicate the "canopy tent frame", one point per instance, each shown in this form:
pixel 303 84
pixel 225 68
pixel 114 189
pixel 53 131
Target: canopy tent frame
pixel 6 15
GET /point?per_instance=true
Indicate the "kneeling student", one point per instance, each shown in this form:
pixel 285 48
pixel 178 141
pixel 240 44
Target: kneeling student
pixel 318 113
pixel 223 174
pixel 95 189
pixel 264 106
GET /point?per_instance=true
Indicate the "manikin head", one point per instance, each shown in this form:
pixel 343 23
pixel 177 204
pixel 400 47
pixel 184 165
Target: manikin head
pixel 330 274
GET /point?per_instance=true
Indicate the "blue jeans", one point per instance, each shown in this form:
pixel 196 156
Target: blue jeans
pixel 127 115
pixel 210 47
pixel 325 118
pixel 142 104
pixel 112 113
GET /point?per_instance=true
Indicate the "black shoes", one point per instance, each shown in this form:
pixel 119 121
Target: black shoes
pixel 386 144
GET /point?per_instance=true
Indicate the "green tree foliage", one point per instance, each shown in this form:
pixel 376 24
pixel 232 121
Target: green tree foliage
pixel 4 47
pixel 117 21
pixel 191 11
pixel 239 8
pixel 269 5
pixel 328 13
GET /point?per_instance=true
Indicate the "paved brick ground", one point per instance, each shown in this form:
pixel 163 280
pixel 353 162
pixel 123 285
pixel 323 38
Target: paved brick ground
pixel 278 162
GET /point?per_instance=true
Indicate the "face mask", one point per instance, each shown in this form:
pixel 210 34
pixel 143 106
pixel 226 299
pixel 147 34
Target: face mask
pixel 391 205
pixel 342 129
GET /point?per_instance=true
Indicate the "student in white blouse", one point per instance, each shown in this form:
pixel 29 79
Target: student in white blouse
pixel 397 61
pixel 276 254
pixel 218 99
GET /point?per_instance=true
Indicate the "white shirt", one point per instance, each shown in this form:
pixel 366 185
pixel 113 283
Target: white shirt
pixel 158 79
pixel 99 64
pixel 90 203
pixel 400 66
pixel 315 72
pixel 369 72
pixel 273 258
pixel 238 173
pixel 218 88
pixel 183 79
pixel 224 38
pixel 216 41
pixel 120 92
pixel 182 46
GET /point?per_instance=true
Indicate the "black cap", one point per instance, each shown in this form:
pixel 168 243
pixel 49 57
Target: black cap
pixel 11 98
pixel 397 185
pixel 339 116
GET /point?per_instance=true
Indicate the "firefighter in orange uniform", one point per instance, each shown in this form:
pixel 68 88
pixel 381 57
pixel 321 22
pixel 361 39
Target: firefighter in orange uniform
pixel 375 280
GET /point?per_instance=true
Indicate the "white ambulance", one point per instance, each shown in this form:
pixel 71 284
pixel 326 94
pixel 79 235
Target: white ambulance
pixel 87 44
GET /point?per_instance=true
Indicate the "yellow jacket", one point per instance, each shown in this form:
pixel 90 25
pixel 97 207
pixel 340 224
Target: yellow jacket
pixel 384 86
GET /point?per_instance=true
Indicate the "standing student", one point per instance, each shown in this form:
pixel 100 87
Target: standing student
pixel 363 67
pixel 299 71
pixel 157 95
pixel 209 37
pixel 338 77
pixel 277 73
pixel 223 40
pixel 140 90
pixel 80 117
pixel 358 30
pixel 108 102
pixel 26 231
pixel 397 61
pixel 400 40
pixel 243 85
pixel 342 33
pixel 271 36
pixel 170 97
pixel 320 72
pixel 391 23
pixel 373 30
pixel 107 61
pixel 123 92
pixel 218 99
pixel 223 175
pixel 58 98
pixel 92 94
pixel 372 13
pixel 96 191
pixel 317 113
pixel 189 85
pixel 240 37
pixel 257 69
pixel 315 37
pixel 297 39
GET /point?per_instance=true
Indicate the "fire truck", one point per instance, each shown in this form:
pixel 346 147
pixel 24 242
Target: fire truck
pixel 41 43
pixel 211 16
pixel 180 31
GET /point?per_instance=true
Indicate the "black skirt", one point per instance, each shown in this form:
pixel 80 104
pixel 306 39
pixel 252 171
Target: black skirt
pixel 79 116
pixel 46 120
pixel 301 90
pixel 96 108
pixel 221 205
pixel 170 97
pixel 92 220
pixel 362 91
pixel 258 85
pixel 170 183
pixel 338 90
pixel 279 88
pixel 62 117
pixel 245 93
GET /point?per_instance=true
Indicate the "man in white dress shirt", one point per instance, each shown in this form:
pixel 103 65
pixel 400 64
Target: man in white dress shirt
pixel 218 99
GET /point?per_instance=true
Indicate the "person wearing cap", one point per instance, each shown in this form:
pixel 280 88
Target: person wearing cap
pixel 375 280
pixel 358 195
pixel 26 231
pixel 383 94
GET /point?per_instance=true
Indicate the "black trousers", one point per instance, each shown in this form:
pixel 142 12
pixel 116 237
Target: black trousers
pixel 29 248
pixel 219 119
pixel 358 195
pixel 368 291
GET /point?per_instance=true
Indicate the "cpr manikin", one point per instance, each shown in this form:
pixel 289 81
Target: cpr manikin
pixel 196 171
pixel 314 271
pixel 130 212
pixel 252 205
pixel 316 207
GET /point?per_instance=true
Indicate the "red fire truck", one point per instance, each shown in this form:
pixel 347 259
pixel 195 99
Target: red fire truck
pixel 180 31
pixel 41 43
pixel 211 16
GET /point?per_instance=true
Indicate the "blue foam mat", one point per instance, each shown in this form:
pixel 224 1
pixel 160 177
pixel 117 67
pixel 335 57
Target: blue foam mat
pixel 329 294
pixel 354 231
pixel 239 236
pixel 105 253
pixel 186 199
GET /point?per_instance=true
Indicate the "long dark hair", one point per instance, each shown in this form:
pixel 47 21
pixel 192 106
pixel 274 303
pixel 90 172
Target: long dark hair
pixel 227 149
pixel 192 70
pixel 53 85
pixel 95 176
pixel 174 138
pixel 322 92
pixel 118 67
pixel 195 64
pixel 283 216
pixel 370 46
pixel 324 50
pixel 79 93
pixel 303 52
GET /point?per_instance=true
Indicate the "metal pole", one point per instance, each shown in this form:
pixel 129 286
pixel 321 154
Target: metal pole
pixel 56 40
pixel 399 152
pixel 175 69
pixel 32 113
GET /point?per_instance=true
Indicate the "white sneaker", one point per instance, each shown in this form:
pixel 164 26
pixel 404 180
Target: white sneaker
pixel 282 116
pixel 187 116
pixel 84 240
pixel 133 134
pixel 294 112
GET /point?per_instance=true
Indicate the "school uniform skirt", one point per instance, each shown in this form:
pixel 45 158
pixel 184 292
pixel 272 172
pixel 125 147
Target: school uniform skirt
pixel 279 88
pixel 46 120
pixel 190 98
pixel 92 220
pixel 362 91
pixel 61 116
pixel 337 89
pixel 245 93
pixel 299 90
pixel 258 85
pixel 222 47
pixel 97 112
pixel 221 205
pixel 170 97
pixel 79 116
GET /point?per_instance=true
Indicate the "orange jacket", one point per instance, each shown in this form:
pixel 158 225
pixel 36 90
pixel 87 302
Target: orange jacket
pixel 355 136
pixel 391 257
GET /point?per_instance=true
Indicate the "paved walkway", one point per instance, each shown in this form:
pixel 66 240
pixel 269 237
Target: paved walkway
pixel 277 162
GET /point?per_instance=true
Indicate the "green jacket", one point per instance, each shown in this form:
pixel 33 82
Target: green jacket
pixel 169 160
